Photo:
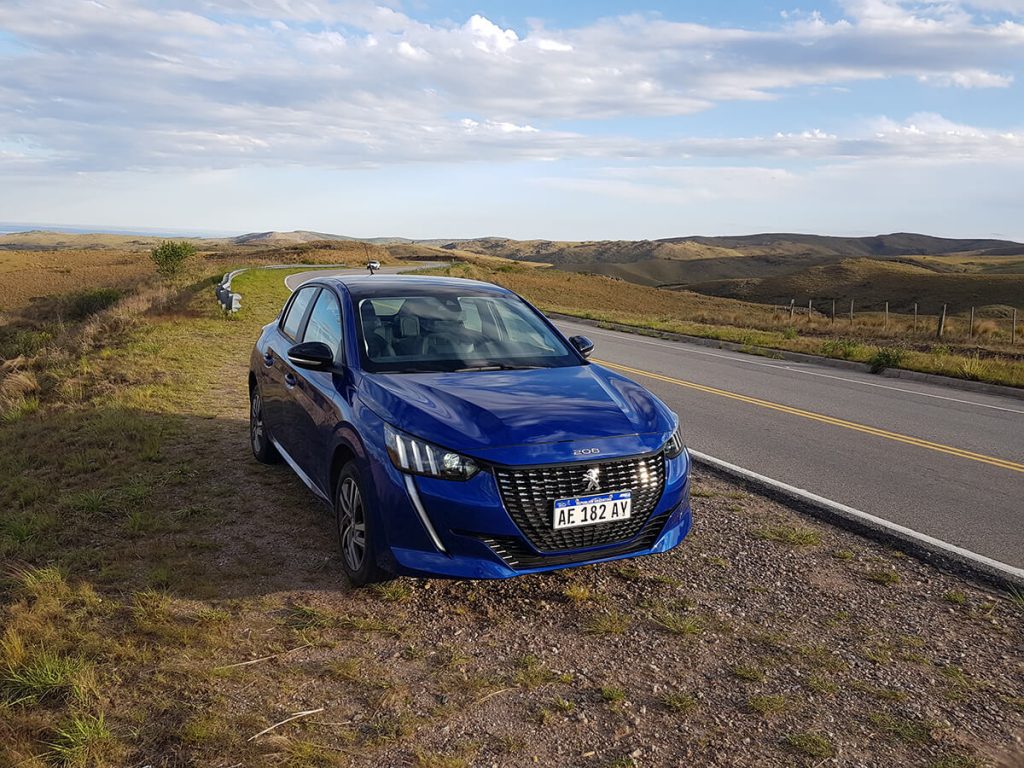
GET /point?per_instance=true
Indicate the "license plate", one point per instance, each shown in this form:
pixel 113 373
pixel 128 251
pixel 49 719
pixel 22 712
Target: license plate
pixel 591 510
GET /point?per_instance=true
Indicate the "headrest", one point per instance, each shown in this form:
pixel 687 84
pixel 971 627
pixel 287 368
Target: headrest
pixel 408 325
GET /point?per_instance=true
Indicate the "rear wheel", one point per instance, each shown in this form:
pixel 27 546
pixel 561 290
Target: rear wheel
pixel 259 438
pixel 355 532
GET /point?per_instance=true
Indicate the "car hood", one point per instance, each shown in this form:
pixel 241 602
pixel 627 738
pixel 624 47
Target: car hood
pixel 475 412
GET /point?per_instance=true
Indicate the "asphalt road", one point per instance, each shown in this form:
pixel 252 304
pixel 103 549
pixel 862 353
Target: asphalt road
pixel 943 462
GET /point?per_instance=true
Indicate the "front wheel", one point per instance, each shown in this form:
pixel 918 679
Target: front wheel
pixel 259 439
pixel 355 532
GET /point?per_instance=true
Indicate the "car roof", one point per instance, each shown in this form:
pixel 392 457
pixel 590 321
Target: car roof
pixel 368 287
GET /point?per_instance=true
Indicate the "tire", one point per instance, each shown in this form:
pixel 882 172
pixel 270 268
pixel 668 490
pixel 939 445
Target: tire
pixel 355 532
pixel 259 437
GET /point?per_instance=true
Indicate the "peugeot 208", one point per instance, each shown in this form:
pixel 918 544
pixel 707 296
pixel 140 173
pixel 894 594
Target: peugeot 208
pixel 455 432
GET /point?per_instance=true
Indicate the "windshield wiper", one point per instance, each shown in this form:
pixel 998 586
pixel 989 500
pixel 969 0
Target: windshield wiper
pixel 497 367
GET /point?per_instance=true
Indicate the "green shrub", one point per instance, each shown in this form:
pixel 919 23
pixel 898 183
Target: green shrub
pixel 85 303
pixel 15 342
pixel 171 255
pixel 886 357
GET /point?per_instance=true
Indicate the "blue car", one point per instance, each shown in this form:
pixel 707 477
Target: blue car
pixel 455 432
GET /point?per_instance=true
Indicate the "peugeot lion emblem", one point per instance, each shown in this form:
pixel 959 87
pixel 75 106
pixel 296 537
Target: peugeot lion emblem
pixel 593 478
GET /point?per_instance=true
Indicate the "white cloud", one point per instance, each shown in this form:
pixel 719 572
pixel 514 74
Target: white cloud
pixel 218 83
pixel 970 78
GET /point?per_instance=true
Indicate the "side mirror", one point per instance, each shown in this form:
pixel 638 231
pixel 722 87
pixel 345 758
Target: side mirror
pixel 313 355
pixel 583 345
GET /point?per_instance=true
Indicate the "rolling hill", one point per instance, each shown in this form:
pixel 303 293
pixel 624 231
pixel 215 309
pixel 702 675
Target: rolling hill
pixel 871 283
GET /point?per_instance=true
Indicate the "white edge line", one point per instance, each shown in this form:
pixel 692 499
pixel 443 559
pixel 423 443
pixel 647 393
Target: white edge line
pixel 987 564
pixel 414 496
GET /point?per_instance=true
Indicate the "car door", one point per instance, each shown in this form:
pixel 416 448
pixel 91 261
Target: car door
pixel 315 395
pixel 279 406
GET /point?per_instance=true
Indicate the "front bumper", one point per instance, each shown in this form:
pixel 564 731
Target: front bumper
pixel 479 537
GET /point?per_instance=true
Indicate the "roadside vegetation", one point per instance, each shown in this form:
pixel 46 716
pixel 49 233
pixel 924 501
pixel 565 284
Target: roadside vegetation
pixel 760 329
pixel 164 600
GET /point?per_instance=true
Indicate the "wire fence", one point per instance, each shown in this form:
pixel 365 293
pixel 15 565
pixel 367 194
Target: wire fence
pixel 941 324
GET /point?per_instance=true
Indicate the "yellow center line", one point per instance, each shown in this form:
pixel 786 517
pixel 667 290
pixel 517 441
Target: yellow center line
pixel 996 462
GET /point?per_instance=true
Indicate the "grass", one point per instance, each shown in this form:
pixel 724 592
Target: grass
pixel 794 536
pixel 39 676
pixel 612 694
pixel 955 597
pixel 681 703
pixel 746 671
pixel 577 593
pixel 903 728
pixel 84 741
pixel 767 705
pixel 885 577
pixel 608 623
pixel 532 673
pixel 810 743
pixel 677 623
pixel 821 684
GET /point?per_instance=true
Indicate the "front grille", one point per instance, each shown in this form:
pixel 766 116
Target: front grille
pixel 518 556
pixel 529 495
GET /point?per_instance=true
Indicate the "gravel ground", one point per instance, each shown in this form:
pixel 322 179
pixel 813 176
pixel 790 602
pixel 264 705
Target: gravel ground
pixel 766 638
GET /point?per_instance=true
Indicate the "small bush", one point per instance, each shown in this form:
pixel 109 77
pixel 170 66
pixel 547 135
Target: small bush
pixel 19 342
pixel 170 256
pixel 886 357
pixel 974 369
pixel 86 303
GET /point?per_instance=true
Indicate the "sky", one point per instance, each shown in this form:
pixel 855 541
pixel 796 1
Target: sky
pixel 559 120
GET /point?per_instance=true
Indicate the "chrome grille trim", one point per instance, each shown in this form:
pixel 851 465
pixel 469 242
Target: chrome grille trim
pixel 529 493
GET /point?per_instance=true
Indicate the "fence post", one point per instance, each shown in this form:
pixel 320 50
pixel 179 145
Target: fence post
pixel 915 316
pixel 851 312
pixel 833 311
pixel 885 323
pixel 942 322
pixel 792 308
pixel 970 333
pixel 1013 327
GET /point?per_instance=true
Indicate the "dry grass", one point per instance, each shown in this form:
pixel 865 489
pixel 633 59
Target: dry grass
pixel 175 598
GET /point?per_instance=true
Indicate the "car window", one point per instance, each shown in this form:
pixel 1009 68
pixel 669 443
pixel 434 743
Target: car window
pixel 297 311
pixel 421 333
pixel 325 322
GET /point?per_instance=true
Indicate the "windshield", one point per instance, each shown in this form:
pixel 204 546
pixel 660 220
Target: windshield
pixel 414 334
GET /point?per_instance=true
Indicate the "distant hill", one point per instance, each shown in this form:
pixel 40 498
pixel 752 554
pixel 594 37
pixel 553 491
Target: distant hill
pixel 871 283
pixel 698 261
pixel 281 238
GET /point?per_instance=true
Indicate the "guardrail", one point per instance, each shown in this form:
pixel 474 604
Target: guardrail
pixel 232 302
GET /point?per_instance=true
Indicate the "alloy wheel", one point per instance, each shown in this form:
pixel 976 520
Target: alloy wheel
pixel 352 524
pixel 256 431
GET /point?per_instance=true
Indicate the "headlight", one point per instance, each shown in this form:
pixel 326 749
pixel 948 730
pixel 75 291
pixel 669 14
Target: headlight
pixel 674 446
pixel 418 457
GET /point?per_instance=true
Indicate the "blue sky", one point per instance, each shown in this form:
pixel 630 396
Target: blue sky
pixel 570 120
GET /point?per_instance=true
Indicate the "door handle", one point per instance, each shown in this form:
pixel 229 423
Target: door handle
pixel 290 380
pixel 268 359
